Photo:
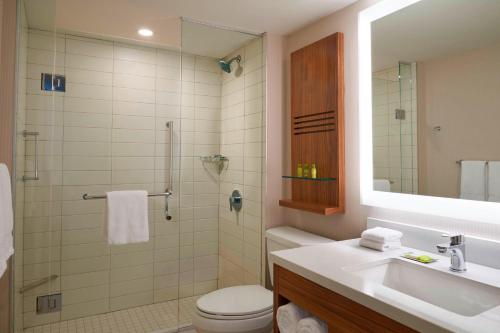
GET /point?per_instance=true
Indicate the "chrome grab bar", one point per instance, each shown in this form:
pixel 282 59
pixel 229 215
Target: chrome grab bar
pixel 35 135
pixel 37 283
pixel 92 197
pixel 170 126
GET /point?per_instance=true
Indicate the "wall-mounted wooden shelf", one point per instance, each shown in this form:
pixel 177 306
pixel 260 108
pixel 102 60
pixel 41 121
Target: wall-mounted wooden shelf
pixel 311 207
pixel 317 126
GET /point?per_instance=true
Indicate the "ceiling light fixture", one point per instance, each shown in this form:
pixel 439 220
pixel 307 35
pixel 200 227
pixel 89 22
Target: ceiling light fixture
pixel 145 32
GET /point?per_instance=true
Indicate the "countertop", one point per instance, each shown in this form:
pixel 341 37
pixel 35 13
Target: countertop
pixel 323 264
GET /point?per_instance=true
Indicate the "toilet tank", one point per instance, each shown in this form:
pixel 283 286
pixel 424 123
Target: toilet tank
pixel 282 238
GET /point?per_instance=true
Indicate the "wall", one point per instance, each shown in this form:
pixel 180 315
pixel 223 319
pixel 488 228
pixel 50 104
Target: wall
pixel 242 140
pixel 353 221
pixel 107 132
pixel 22 69
pixel 460 94
pixel 8 25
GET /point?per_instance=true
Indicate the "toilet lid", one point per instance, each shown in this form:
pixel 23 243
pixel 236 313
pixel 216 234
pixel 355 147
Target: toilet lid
pixel 236 301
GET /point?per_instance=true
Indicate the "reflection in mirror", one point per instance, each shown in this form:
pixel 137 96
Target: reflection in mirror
pixel 436 101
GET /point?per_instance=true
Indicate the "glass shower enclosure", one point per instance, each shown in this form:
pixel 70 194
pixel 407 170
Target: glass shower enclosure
pixel 395 127
pixel 98 113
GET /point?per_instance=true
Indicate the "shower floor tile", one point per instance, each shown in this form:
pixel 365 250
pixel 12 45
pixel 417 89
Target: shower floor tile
pixel 157 318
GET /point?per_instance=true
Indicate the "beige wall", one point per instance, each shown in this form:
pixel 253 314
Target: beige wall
pixel 460 94
pixel 353 221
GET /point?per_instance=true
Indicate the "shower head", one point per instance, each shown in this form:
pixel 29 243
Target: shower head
pixel 226 65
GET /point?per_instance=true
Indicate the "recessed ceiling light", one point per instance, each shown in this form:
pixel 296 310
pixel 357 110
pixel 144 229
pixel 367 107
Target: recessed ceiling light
pixel 145 32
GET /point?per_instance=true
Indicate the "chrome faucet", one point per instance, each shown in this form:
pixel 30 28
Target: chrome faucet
pixel 457 252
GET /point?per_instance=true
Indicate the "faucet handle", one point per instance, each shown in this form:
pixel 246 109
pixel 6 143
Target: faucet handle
pixel 455 239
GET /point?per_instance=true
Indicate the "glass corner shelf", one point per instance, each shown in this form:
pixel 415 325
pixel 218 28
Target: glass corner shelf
pixel 319 179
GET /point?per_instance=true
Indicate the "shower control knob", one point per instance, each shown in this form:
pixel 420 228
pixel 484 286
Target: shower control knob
pixel 235 201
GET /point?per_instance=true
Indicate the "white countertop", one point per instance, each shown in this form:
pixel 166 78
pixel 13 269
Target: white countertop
pixel 323 264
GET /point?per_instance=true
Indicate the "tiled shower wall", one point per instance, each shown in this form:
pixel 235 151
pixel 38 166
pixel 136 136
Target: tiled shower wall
pixel 107 132
pixel 242 140
pixel 395 141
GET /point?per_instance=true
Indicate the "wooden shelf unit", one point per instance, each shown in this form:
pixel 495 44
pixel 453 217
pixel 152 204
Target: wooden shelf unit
pixel 317 125
pixel 341 314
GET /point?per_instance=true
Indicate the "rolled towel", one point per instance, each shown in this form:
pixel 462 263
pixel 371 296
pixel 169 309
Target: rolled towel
pixel 312 325
pixel 288 317
pixel 380 246
pixel 379 234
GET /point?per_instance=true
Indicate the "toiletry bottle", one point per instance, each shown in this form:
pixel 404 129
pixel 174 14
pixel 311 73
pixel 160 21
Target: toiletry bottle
pixel 299 170
pixel 306 170
pixel 313 170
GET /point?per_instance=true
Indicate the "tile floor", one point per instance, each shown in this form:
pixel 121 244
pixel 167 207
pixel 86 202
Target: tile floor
pixel 157 318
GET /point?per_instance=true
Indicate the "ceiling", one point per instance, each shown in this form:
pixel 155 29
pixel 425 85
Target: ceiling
pixel 434 29
pixel 120 19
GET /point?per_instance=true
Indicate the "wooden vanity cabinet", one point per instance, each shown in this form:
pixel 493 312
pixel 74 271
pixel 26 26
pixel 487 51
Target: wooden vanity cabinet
pixel 340 313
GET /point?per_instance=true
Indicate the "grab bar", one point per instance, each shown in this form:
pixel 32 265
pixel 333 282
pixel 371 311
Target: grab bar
pixel 35 135
pixel 170 126
pixel 37 283
pixel 92 197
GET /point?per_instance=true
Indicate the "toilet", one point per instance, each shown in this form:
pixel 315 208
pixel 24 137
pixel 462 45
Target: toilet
pixel 249 308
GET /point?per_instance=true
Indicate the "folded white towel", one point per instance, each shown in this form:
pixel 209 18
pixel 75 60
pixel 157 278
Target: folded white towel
pixel 494 181
pixel 379 234
pixel 381 185
pixel 288 317
pixel 386 246
pixel 6 218
pixel 127 217
pixel 312 325
pixel 473 180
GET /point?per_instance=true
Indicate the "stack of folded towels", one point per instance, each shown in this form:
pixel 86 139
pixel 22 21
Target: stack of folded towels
pixel 293 319
pixel 381 239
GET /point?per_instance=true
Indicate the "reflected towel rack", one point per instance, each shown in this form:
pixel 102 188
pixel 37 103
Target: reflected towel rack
pixel 92 197
pixel 460 161
pixel 37 283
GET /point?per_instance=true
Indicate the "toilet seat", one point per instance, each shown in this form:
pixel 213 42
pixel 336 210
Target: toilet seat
pixel 236 303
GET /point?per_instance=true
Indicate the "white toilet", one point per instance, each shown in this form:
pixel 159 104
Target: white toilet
pixel 248 309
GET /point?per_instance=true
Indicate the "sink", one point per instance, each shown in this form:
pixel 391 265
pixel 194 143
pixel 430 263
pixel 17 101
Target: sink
pixel 443 289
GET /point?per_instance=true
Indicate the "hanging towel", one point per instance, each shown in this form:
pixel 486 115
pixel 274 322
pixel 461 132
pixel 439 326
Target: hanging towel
pixel 6 218
pixel 473 180
pixel 381 185
pixel 494 181
pixel 288 317
pixel 312 325
pixel 379 234
pixel 380 246
pixel 127 217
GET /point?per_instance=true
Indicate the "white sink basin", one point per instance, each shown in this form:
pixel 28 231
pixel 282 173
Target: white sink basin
pixel 446 290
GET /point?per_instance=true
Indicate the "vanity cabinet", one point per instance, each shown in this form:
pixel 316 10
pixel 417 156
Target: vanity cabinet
pixel 340 313
pixel 317 127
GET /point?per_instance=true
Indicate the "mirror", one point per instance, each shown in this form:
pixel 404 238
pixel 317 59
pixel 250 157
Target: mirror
pixel 435 70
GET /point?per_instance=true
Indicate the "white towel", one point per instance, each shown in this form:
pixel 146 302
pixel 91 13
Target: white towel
pixel 312 325
pixel 127 217
pixel 494 181
pixel 381 185
pixel 473 180
pixel 288 317
pixel 379 234
pixel 380 246
pixel 6 218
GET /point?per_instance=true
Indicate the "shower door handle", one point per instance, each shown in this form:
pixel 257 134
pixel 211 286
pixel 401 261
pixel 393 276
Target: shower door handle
pixel 235 201
pixel 35 135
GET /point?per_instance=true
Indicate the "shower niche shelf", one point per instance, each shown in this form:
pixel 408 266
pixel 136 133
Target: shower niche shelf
pixel 217 160
pixel 317 127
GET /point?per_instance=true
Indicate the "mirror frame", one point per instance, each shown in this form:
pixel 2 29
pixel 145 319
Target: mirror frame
pixel 479 211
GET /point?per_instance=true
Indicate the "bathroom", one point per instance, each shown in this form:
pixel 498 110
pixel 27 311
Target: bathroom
pixel 198 106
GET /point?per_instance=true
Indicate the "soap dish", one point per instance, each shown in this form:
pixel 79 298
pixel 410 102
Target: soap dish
pixel 424 259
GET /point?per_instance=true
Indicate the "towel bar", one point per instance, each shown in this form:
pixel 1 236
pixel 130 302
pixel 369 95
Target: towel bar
pixel 92 197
